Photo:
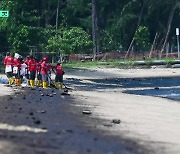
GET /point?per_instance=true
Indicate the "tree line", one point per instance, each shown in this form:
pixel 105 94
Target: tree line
pixel 88 26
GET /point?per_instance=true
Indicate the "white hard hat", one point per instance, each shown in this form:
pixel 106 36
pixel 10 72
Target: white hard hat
pixel 16 55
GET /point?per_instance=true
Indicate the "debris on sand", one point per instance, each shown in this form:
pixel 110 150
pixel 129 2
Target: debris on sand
pixel 88 112
pixel 33 118
pixel 66 90
pixel 116 121
pixel 70 131
pixel 64 93
pixel 156 88
pixel 37 122
pixel 107 125
pixel 31 113
pixel 10 98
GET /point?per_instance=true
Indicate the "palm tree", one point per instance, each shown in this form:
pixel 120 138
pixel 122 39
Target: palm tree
pixel 95 27
pixel 145 2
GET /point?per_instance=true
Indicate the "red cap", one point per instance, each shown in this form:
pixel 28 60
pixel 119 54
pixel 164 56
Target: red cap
pixel 44 58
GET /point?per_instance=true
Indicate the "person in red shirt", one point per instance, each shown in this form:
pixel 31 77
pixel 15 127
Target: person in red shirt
pixel 16 69
pixel 32 69
pixel 27 60
pixel 44 72
pixel 8 62
pixel 59 76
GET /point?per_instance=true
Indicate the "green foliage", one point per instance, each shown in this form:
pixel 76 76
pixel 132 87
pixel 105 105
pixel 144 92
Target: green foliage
pixel 54 42
pixel 142 38
pixel 33 23
pixel 108 40
pixel 75 40
pixel 19 38
pixel 79 13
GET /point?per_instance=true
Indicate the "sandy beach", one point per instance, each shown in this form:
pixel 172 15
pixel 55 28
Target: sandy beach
pixel 124 117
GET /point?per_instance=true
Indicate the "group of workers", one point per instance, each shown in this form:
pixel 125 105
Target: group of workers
pixel 31 69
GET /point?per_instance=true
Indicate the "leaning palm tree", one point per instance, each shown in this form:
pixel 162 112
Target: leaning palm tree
pixel 145 2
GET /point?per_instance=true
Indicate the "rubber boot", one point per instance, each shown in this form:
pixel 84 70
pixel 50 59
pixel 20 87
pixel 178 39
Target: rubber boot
pixel 19 82
pixel 44 85
pixel 16 82
pixel 61 88
pixel 57 85
pixel 61 85
pixel 12 80
pixel 33 83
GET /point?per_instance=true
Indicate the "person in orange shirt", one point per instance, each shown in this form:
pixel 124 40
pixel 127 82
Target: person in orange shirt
pixel 8 62
pixel 44 72
pixel 59 76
